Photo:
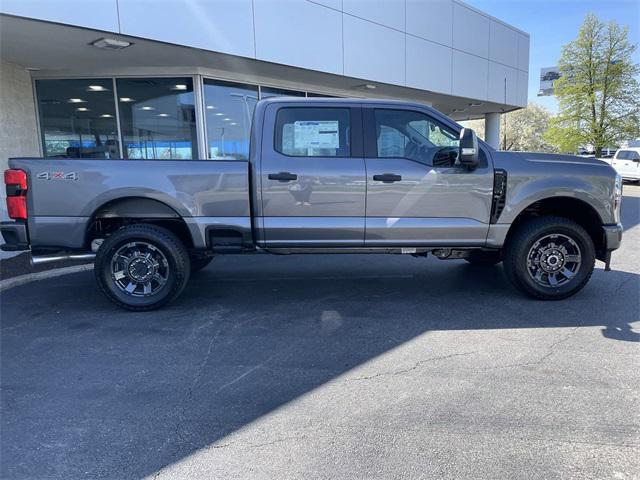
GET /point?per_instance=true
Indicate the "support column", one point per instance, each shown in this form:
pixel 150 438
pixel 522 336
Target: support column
pixel 492 129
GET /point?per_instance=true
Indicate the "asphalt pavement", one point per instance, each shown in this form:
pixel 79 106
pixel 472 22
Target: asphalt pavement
pixel 327 367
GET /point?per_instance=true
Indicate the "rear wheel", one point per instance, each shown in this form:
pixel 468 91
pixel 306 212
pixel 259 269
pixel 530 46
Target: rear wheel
pixel 142 267
pixel 549 258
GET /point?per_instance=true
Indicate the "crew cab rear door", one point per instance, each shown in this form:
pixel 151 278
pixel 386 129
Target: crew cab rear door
pixel 312 175
pixel 416 194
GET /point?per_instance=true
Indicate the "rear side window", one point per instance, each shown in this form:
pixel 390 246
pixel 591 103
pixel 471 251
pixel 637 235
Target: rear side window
pixel 313 132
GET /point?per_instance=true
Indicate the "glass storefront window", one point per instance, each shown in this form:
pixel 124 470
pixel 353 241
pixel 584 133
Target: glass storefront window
pixel 320 95
pixel 157 118
pixel 229 111
pixel 266 92
pixel 78 118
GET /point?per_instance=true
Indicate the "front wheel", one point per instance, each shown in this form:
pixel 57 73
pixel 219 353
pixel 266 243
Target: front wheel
pixel 142 267
pixel 549 258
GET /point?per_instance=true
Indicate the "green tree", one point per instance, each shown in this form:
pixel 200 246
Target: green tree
pixel 524 129
pixel 598 91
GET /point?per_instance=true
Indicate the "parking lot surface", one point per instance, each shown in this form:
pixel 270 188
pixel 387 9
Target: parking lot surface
pixel 327 367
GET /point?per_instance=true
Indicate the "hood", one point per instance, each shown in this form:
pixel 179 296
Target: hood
pixel 504 159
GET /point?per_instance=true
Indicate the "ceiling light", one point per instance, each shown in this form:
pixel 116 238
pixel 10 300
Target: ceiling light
pixel 227 119
pixel 233 123
pixel 365 86
pixel 210 107
pixel 163 115
pixel 82 109
pixel 97 88
pixel 110 44
pixel 179 86
pixel 76 100
pixel 126 99
pixel 219 114
pixel 146 107
pixel 458 110
pixel 474 104
pixel 106 115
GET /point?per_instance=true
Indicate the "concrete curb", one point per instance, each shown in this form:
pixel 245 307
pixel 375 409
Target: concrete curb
pixel 34 277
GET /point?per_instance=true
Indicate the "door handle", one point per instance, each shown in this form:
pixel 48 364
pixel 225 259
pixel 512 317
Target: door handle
pixel 283 176
pixel 387 178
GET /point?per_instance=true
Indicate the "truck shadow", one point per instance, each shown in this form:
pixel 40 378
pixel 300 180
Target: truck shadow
pixel 91 391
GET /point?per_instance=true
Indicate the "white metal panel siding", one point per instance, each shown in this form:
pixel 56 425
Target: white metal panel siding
pixel 470 75
pixel 471 31
pixel 502 77
pixel 503 44
pixel 218 25
pixel 431 20
pixel 428 65
pixel 99 14
pixel 390 13
pixel 523 52
pixel 523 85
pixel 372 51
pixel 299 33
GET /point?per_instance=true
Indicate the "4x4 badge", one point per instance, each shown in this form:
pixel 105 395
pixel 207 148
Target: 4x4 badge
pixel 57 176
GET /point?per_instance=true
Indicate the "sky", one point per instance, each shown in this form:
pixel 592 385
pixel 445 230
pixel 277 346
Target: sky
pixel 553 23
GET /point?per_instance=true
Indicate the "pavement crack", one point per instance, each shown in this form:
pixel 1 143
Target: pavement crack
pixel 549 351
pixel 257 445
pixel 415 366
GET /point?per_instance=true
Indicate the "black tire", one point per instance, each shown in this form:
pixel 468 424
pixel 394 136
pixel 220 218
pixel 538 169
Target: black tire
pixel 526 254
pixel 198 263
pixel 142 252
pixel 485 259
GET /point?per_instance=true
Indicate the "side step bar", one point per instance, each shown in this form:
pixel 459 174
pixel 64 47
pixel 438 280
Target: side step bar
pixel 42 259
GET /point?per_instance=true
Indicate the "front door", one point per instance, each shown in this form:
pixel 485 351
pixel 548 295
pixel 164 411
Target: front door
pixel 313 176
pixel 417 195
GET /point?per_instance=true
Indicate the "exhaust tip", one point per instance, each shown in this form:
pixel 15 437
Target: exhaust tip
pixel 44 259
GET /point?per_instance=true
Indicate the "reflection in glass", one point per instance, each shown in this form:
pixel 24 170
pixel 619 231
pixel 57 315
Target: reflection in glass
pixel 77 118
pixel 320 95
pixel 266 92
pixel 157 118
pixel 229 111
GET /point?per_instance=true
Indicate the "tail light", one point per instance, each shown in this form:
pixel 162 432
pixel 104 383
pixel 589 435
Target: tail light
pixel 16 184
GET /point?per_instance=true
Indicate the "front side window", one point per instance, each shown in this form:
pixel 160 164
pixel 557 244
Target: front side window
pixel 416 136
pixel 627 155
pixel 78 118
pixel 313 132
pixel 157 118
pixel 229 111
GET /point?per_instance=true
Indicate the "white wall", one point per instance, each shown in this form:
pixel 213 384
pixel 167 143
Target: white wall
pixel 19 134
pixel 444 46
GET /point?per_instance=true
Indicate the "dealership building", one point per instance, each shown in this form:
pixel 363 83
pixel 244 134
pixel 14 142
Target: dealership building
pixel 179 79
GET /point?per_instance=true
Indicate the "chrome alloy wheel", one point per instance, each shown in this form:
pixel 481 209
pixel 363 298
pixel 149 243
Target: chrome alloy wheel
pixel 553 260
pixel 139 269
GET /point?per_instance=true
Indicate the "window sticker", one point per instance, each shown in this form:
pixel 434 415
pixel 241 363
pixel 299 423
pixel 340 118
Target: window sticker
pixel 316 134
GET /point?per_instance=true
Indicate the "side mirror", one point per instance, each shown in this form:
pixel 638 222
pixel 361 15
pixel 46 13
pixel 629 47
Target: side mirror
pixel 468 154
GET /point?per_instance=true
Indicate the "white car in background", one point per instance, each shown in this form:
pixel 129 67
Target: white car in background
pixel 627 163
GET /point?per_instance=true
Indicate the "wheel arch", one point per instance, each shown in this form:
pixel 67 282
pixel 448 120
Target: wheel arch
pixel 571 208
pixel 115 213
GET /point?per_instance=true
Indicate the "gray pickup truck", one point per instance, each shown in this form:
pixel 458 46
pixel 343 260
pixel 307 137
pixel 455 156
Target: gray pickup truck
pixel 323 176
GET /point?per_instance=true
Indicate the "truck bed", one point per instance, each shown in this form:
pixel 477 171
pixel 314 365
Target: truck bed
pixel 65 194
